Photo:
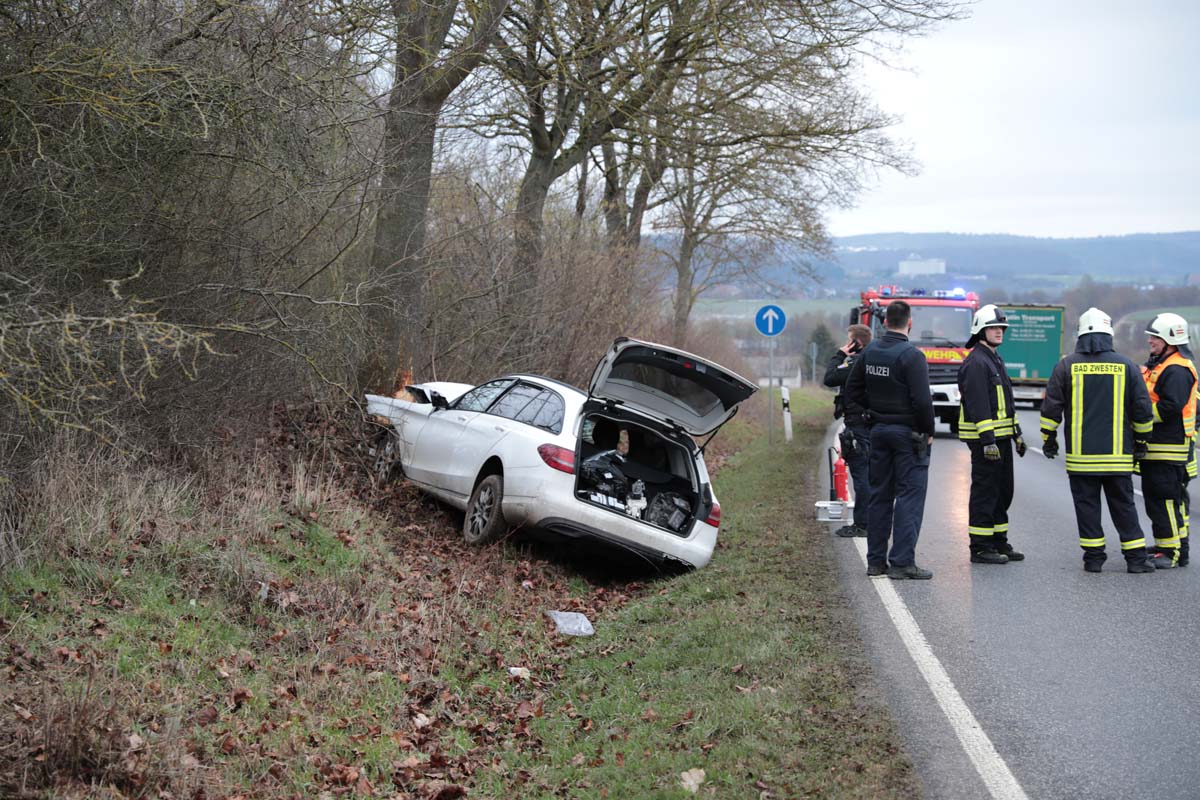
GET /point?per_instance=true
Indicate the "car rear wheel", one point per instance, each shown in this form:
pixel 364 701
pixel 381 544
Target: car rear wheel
pixel 484 521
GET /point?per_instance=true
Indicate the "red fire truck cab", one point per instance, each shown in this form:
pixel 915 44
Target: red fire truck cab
pixel 941 325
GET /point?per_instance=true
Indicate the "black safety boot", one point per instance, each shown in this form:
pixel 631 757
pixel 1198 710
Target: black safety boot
pixel 1013 555
pixel 850 531
pixel 1093 566
pixel 1139 566
pixel 988 557
pixel 908 572
pixel 1164 558
pixel 876 570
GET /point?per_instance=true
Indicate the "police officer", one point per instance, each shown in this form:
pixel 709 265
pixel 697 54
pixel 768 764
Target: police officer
pixel 1170 379
pixel 1098 393
pixel 856 438
pixel 891 382
pixel 987 423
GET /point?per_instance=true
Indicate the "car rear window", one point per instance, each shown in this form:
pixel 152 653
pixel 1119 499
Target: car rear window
pixel 683 387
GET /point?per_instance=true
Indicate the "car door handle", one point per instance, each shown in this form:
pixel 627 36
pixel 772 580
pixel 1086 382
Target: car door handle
pixel 500 428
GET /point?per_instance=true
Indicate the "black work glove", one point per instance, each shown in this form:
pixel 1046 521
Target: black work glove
pixel 1019 443
pixel 1050 447
pixel 1140 449
pixel 991 452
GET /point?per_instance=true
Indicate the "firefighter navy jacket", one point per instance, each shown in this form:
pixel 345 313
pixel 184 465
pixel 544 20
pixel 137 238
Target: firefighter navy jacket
pixel 1100 399
pixel 986 411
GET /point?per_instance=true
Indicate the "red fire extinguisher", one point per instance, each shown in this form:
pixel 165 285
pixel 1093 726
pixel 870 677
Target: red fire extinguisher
pixel 841 477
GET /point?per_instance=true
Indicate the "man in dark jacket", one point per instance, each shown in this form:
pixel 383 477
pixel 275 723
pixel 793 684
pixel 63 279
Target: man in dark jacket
pixel 856 438
pixel 891 383
pixel 987 422
pixel 1101 401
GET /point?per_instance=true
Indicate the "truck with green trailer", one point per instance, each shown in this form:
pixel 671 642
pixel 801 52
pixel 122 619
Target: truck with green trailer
pixel 1033 344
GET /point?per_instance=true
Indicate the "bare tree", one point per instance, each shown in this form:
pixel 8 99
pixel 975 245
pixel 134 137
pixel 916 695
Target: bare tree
pixel 756 139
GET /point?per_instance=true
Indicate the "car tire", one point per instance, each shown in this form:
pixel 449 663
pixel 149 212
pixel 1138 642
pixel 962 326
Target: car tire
pixel 385 456
pixel 484 521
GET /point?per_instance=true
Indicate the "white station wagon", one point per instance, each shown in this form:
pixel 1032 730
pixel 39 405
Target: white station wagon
pixel 619 463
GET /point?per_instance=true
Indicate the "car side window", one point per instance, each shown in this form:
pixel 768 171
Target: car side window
pixel 515 401
pixel 547 414
pixel 481 396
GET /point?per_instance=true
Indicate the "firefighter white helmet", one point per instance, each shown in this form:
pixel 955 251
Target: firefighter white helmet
pixel 989 316
pixel 1094 321
pixel 1171 328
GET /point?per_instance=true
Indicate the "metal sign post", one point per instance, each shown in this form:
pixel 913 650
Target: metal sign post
pixel 770 322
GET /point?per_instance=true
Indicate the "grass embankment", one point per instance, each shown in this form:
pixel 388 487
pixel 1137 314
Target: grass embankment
pixel 276 629
pixel 748 669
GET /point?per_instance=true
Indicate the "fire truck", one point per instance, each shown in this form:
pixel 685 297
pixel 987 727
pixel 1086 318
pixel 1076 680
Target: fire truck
pixel 941 325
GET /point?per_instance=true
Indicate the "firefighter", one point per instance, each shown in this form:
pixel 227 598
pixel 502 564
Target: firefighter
pixel 1105 409
pixel 1170 379
pixel 987 423
pixel 891 382
pixel 856 438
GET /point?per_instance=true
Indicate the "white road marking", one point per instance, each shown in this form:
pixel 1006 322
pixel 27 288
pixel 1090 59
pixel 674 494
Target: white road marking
pixel 1138 492
pixel 1000 782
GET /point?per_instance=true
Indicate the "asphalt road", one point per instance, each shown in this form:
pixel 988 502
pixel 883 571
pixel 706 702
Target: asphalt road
pixel 1088 686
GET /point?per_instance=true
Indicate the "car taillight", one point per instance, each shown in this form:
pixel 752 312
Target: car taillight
pixel 560 458
pixel 714 515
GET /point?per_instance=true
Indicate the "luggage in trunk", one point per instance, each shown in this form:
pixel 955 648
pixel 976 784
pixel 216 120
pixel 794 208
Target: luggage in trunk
pixel 634 470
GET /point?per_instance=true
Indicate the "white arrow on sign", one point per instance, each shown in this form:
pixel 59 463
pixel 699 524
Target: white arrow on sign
pixel 770 316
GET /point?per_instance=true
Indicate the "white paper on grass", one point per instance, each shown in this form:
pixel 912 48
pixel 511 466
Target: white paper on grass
pixel 571 623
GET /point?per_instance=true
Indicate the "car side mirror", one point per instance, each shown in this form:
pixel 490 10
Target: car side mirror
pixel 438 401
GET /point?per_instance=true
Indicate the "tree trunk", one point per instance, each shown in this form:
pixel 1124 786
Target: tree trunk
pixel 398 314
pixel 684 294
pixel 528 223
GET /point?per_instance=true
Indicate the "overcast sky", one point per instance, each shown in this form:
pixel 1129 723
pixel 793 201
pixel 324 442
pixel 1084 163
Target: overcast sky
pixel 1045 118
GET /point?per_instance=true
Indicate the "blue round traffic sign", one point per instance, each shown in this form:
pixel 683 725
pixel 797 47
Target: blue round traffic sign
pixel 770 320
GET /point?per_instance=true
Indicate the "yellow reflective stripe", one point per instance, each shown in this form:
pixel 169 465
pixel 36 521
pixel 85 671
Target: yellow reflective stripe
pixel 1091 542
pixel 1133 544
pixel 1001 528
pixel 978 531
pixel 1157 416
pixel 1048 424
pixel 1115 466
pixel 1076 444
pixel 1143 427
pixel 1168 447
pixel 1173 540
pixel 1096 456
pixel 1001 409
pixel 1118 418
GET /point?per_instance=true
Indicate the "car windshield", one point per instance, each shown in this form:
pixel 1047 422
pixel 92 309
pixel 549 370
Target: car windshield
pixel 946 325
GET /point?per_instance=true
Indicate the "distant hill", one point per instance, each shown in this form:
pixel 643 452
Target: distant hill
pixel 1049 265
pixel 1165 257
